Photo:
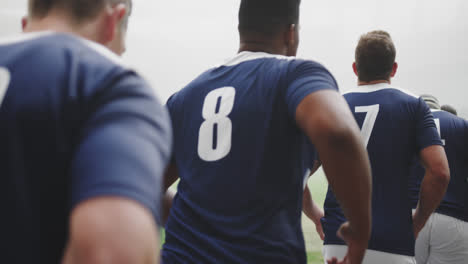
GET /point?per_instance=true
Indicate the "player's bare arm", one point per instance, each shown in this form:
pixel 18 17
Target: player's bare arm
pixel 312 211
pixel 433 186
pixel 104 230
pixel 325 118
pixel 170 177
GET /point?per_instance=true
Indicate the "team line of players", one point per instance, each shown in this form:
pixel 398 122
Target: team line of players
pixel 85 147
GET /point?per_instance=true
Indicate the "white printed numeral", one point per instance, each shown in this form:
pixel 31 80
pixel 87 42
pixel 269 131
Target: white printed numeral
pixel 437 122
pixel 215 135
pixel 4 82
pixel 369 121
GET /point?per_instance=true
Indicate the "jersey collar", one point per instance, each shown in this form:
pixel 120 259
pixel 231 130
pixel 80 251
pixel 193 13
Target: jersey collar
pixel 370 88
pixel 249 55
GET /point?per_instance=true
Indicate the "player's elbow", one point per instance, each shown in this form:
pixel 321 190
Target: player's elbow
pixel 109 230
pixel 441 175
pixel 90 251
pixel 434 159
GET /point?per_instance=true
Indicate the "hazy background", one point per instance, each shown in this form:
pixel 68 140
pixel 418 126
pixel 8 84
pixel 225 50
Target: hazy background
pixel 171 42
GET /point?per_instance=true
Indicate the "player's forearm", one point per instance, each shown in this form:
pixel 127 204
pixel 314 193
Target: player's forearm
pixel 94 254
pixel 112 230
pixel 171 175
pixel 346 164
pixel 167 204
pixel 432 192
pixel 310 208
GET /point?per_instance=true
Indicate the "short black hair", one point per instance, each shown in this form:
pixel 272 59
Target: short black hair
pixel 375 55
pixel 267 16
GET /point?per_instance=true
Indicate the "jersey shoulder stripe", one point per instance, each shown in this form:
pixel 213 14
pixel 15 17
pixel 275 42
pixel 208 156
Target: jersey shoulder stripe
pixel 377 87
pixel 105 52
pixel 23 37
pixel 248 56
pixel 98 48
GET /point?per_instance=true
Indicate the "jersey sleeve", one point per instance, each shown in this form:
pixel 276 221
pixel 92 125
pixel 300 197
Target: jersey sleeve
pixel 124 146
pixel 170 105
pixel 306 77
pixel 426 130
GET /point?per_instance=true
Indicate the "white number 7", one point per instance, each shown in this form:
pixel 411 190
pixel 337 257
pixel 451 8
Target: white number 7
pixel 4 82
pixel 369 121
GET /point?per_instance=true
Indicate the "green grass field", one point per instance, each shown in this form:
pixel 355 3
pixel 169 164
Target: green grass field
pixel 318 187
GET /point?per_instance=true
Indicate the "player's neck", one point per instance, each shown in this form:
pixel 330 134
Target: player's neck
pixel 259 46
pixel 253 47
pixel 58 22
pixel 374 82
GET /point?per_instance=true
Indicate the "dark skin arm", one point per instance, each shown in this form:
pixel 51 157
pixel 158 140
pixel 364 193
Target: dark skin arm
pixel 324 116
pixel 170 177
pixel 111 230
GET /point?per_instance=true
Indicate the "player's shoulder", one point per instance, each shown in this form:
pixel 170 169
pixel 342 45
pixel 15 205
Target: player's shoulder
pixel 275 62
pixel 451 118
pixel 255 57
pixel 383 88
pixel 62 48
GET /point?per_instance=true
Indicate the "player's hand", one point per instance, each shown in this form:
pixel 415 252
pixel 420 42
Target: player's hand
pixel 319 229
pixel 335 261
pixel 357 245
pixel 318 215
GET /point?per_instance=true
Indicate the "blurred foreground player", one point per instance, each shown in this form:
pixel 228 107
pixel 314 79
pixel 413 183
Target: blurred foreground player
pixel 241 132
pixel 444 238
pixel 396 127
pixel 450 109
pixel 84 142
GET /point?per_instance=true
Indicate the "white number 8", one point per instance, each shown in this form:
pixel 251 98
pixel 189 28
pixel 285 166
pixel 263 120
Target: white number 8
pixel 215 135
pixel 4 82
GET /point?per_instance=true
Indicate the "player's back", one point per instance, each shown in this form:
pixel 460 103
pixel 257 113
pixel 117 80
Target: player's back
pixel 395 127
pixel 51 85
pixel 241 160
pixel 454 134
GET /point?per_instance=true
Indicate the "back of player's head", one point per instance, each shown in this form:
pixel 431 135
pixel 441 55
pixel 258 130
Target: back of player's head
pixel 79 10
pixel 267 17
pixel 431 101
pixel 375 56
pixel 450 109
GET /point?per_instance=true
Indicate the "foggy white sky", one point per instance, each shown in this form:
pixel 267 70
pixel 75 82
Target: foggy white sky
pixel 171 42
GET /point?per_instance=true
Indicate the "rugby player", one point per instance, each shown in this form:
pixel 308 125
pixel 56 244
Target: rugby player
pixel 241 134
pixel 450 109
pixel 84 142
pixel 444 238
pixel 396 127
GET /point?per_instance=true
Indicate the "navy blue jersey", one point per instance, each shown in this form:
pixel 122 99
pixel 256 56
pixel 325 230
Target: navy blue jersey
pixel 395 126
pixel 454 134
pixel 74 124
pixel 241 160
